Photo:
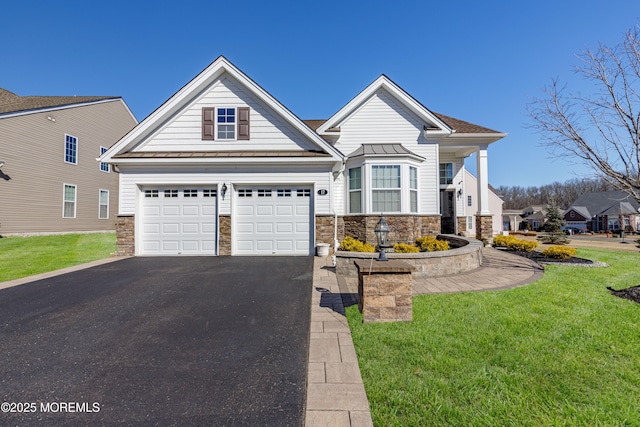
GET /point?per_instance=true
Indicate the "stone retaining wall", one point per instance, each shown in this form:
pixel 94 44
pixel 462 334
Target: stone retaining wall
pixel 466 255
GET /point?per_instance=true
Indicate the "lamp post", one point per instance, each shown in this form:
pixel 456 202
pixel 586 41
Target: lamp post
pixel 382 235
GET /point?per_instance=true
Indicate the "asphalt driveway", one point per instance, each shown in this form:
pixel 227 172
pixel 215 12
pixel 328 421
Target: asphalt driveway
pixel 159 341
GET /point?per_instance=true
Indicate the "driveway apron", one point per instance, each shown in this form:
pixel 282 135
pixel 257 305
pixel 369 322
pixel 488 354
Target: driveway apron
pixel 159 341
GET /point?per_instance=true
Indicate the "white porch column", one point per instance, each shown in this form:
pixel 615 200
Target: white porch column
pixel 482 166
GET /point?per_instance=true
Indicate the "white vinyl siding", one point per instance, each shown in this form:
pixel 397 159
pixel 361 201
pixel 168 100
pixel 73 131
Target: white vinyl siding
pixel 69 199
pixel 400 126
pixel 268 132
pixel 103 204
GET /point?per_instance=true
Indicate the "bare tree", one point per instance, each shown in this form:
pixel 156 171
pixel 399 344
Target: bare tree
pixel 601 128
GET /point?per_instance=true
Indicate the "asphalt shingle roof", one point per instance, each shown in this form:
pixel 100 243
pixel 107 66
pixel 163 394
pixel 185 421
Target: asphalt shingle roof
pixel 12 103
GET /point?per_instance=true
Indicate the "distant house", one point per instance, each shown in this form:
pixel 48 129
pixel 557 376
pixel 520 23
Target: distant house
pixel 471 206
pixel 602 211
pixel 50 179
pixel 511 219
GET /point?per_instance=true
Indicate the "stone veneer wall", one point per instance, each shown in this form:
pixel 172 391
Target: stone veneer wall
pixel 404 228
pixel 466 257
pixel 484 227
pixel 224 233
pixel 125 235
pixel 462 225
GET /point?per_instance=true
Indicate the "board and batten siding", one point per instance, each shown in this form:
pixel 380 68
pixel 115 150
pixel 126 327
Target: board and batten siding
pixel 33 177
pixel 401 126
pixel 183 132
pixel 132 180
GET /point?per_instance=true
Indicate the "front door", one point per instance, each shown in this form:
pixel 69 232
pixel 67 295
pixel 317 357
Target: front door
pixel 447 210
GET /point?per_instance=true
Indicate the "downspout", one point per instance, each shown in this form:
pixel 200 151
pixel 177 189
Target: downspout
pixel 336 174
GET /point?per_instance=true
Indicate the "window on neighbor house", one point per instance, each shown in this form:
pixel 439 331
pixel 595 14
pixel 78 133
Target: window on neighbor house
pixel 413 189
pixel 103 205
pixel 69 201
pixel 469 201
pixel 355 190
pixel 446 173
pixel 104 167
pixel 385 184
pixel 71 149
pixel 470 223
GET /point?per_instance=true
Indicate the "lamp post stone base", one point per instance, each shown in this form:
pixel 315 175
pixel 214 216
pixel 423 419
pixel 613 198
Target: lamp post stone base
pixel 385 291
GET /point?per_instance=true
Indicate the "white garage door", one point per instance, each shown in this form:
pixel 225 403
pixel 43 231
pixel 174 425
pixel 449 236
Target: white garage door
pixel 179 221
pixel 273 221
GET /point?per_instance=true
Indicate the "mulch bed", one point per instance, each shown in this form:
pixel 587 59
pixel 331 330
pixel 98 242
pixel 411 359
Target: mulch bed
pixel 541 259
pixel 632 293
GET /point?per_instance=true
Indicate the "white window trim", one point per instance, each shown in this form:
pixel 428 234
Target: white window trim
pixel 65 149
pixel 360 190
pixel 414 190
pixel 75 199
pixel 453 174
pixel 235 124
pixel 100 204
pixel 102 151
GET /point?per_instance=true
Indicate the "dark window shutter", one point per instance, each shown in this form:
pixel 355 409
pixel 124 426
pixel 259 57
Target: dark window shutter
pixel 208 123
pixel 243 123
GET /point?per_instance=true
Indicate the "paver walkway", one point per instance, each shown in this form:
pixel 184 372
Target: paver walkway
pixel 335 392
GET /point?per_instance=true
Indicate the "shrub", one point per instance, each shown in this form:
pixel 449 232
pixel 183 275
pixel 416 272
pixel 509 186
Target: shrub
pixel 555 238
pixel 559 252
pixel 405 248
pixel 514 244
pixel 350 244
pixel 431 244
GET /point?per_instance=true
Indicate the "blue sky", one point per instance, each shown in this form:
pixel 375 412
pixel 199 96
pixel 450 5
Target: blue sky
pixel 477 61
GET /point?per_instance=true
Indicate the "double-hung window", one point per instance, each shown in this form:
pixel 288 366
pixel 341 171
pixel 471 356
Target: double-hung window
pixel 385 184
pixel 413 189
pixel 71 149
pixel 69 201
pixel 446 173
pixel 226 122
pixel 103 205
pixel 104 167
pixel 355 190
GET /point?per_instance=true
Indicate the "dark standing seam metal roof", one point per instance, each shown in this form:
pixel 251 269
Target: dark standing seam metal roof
pixel 12 103
pixel 382 150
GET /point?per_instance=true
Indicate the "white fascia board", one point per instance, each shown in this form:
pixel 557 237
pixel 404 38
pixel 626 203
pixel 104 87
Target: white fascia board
pixel 472 139
pixel 220 161
pixel 397 92
pixel 195 87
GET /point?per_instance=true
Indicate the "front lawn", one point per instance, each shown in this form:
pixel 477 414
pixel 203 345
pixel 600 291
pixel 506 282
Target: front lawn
pixel 26 256
pixel 560 351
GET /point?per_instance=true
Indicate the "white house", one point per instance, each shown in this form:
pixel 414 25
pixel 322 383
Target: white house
pixel 223 168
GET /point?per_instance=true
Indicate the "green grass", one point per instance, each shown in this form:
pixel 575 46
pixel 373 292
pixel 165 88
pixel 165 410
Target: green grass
pixel 26 256
pixel 559 352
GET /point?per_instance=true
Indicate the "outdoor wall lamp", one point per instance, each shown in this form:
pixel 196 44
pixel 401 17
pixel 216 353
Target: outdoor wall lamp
pixel 224 190
pixel 381 231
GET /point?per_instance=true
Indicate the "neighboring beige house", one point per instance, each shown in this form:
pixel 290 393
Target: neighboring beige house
pixel 471 206
pixel 223 168
pixel 50 179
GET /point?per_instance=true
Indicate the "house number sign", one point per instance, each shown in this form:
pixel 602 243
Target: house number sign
pixel 323 192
